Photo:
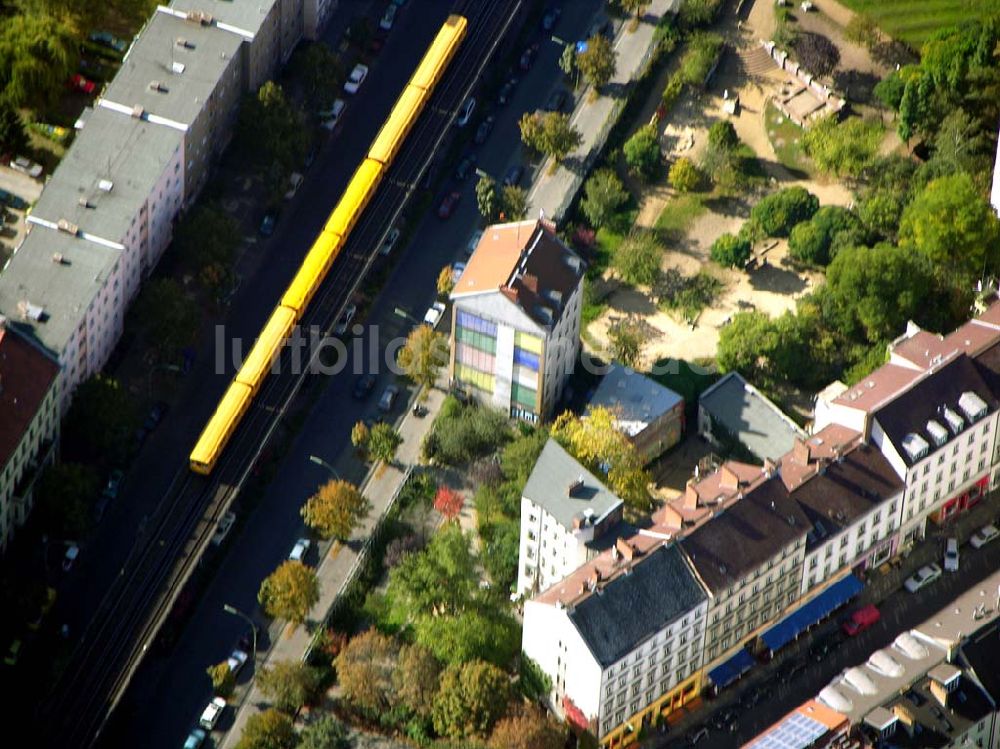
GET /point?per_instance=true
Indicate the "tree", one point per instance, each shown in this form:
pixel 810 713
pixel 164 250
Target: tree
pixel 699 58
pixel 843 148
pixel 207 238
pixel 514 203
pixel 863 30
pixel 961 143
pixel 13 136
pixel 100 423
pixel 445 282
pixel 731 251
pixel 169 318
pixel 38 52
pixel 321 73
pixel 270 729
pixel 448 502
pixel 270 133
pixel 288 684
pixel 776 214
pixel 695 13
pixel 636 7
pixel 890 90
pixel 462 433
pixel 816 53
pixel 626 340
pixel 416 679
pixel 471 698
pixel 684 175
pixel 383 441
pixel 439 580
pixel 359 435
pixel 487 198
pixel 335 510
pixel 289 592
pixel 817 241
pixel 365 670
pixel 63 496
pixel 722 135
pixel 423 356
pixel 604 195
pixel 527 727
pixel 637 259
pixel 549 133
pixel 597 62
pixel 567 60
pixel 642 152
pixel 223 679
pixel 325 732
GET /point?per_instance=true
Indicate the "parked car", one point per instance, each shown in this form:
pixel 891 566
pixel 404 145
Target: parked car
pixel 356 78
pixel 922 577
pixel 697 735
pixel 114 484
pixel 223 527
pixel 388 398
pixel 388 18
pixel 724 721
pixel 25 165
pixel 294 183
pixel 109 40
pixel 551 18
pixel 506 91
pixel 330 117
pixel 528 57
pixel 78 83
pixel 513 175
pixel 448 205
pixel 195 739
pixel 390 241
pixel 983 536
pixel 457 269
pixel 433 315
pixel 155 415
pixel 465 112
pixel 363 386
pixel 473 242
pixel 951 555
pixel 484 130
pixel 465 167
pixel 69 558
pixel 236 660
pixel 861 620
pixel 13 653
pixel 344 322
pixel 300 550
pixel 212 712
pixel 267 224
pixel 556 101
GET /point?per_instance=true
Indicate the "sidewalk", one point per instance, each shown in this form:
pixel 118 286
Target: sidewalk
pixel 553 193
pixel 340 560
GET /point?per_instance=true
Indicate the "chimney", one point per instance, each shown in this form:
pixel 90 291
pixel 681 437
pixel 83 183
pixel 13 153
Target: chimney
pixel 530 282
pixel 626 549
pixel 801 451
pixel 902 712
pixel 939 692
pixel 690 501
pixel 727 478
pixel 593 579
pixel 670 517
pixel 575 488
pixel 769 467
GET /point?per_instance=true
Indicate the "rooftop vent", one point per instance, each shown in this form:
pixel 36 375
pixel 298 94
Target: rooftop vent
pixel 138 111
pixel 106 185
pixel 84 203
pixel 31 311
pixel 575 488
pixel 177 67
pixel 972 406
pixel 937 432
pixel 200 16
pixel 158 87
pixel 182 43
pixel 68 227
pixel 915 446
pixel 57 258
pixel 955 422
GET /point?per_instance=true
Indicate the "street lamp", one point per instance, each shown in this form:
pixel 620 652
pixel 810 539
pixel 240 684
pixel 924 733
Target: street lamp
pixel 484 175
pixel 320 462
pixel 400 312
pixel 253 627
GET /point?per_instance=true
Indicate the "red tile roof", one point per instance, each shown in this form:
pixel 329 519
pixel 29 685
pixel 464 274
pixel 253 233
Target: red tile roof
pixel 26 374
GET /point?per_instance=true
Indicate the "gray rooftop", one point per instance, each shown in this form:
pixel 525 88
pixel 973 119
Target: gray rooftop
pixel 64 290
pixel 155 54
pixel 549 487
pixel 635 399
pixel 750 417
pixel 128 153
pixel 246 15
pixel 633 607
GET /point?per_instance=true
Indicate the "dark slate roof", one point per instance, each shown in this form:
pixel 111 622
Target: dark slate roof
pixel 633 607
pixel 751 531
pixel 981 653
pixel 909 412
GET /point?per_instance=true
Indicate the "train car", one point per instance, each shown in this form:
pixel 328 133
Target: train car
pixel 440 52
pixel 257 365
pixel 356 195
pixel 312 272
pixel 220 427
pixel 397 127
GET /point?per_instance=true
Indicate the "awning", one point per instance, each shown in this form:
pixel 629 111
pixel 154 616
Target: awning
pixel 729 671
pixel 817 609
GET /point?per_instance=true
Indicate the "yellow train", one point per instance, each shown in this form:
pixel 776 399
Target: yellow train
pixel 327 246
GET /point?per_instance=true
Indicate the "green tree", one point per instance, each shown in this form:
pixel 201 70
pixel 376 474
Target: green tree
pixel 223 679
pixel 722 135
pixel 487 197
pixel 271 135
pixel 843 148
pixel 472 698
pixel 817 241
pixel 13 136
pixel 325 732
pixel 695 13
pixel 549 133
pixel 168 316
pixel 463 433
pixel 514 202
pixel 626 340
pixel 731 251
pixel 527 727
pixel 383 441
pixel 684 175
pixel 207 238
pixel 423 356
pixel 270 729
pixel 415 679
pixel 439 580
pixel 642 152
pixel 99 426
pixel 567 61
pixel 335 510
pixel 862 29
pixel 702 52
pixel 604 195
pixel 776 214
pixel 597 62
pixel 321 73
pixel 63 497
pixel 479 632
pixel 637 259
pixel 288 684
pixel 962 144
pixel 38 52
pixel 289 592
pixel 365 669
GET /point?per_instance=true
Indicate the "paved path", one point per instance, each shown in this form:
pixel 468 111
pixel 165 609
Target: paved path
pixel 553 192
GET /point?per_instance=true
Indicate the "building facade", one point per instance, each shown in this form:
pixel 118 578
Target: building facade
pixel 516 319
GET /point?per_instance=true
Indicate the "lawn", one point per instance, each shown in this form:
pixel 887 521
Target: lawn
pixel 786 139
pixel 914 21
pixel 678 215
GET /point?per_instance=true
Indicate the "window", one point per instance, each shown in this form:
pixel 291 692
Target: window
pixel 877 517
pixel 843 543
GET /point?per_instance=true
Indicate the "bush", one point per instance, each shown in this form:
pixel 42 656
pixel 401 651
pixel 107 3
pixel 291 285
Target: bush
pixel 462 433
pixel 809 243
pixel 642 152
pixel 817 53
pixel 843 148
pixel 731 250
pixel 604 194
pixel 702 52
pixel 695 13
pixel 637 259
pixel 776 214
pixel 684 175
pixel 671 91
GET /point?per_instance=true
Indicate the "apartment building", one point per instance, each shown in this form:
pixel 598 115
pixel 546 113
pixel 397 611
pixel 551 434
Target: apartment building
pixel 29 428
pixel 650 415
pixel 621 638
pixel 567 515
pixel 812 725
pixel 516 319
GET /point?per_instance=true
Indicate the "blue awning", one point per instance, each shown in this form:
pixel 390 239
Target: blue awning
pixel 818 608
pixel 729 671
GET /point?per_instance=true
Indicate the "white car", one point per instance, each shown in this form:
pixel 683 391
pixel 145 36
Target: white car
pixel 983 536
pixel 222 529
pixel 236 661
pixel 294 183
pixel 300 550
pixel 390 240
pixel 26 166
pixel 356 78
pixel 388 18
pixel 951 555
pixel 212 712
pixel 465 113
pixel 433 315
pixel 922 577
pixel 473 243
pixel 345 319
pixel 330 117
pixel 72 552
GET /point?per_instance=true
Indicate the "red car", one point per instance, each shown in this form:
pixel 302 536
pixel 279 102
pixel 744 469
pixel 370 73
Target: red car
pixel 861 620
pixel 78 83
pixel 448 205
